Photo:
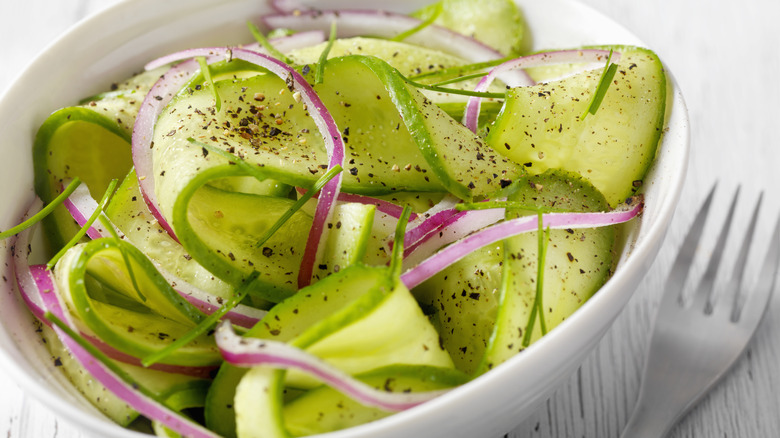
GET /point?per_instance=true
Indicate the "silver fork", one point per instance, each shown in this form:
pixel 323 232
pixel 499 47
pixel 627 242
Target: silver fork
pixel 692 346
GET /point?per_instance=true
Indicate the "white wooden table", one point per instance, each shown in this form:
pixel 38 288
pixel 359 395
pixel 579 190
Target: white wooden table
pixel 725 56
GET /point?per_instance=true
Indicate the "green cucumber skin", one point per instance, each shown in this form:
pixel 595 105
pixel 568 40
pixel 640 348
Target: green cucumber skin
pixel 130 214
pixel 59 227
pixel 324 409
pixel 289 320
pixel 578 263
pixel 165 310
pixel 541 126
pixel 114 112
pixel 333 316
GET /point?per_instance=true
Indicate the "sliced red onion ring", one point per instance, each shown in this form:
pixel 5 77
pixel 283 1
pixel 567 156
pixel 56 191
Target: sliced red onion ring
pixel 382 206
pixel 99 372
pixel 432 219
pixel 248 352
pixel 283 44
pixel 81 205
pixel 327 127
pixel 486 236
pixel 456 226
pixel 471 115
pixel 357 22
pixel 161 94
pixel 34 284
pixel 143 131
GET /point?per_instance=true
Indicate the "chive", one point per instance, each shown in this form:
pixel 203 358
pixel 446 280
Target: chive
pixel 318 185
pixel 204 68
pixel 267 44
pixel 460 79
pixel 204 325
pixel 485 95
pixel 406 34
pixel 102 358
pixel 83 230
pixel 246 167
pixel 320 72
pixel 397 257
pixel 537 307
pixel 37 217
pixel 459 70
pixel 108 226
pixel 606 78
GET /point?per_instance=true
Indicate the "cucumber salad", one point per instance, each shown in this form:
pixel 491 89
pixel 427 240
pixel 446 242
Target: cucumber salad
pixel 344 216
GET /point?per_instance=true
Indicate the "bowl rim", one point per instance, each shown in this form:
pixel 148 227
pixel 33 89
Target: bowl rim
pixel 612 295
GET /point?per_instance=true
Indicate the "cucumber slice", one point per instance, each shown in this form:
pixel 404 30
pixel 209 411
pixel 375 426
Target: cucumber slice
pixel 90 273
pixel 324 409
pixel 541 127
pixel 409 59
pixel 577 263
pixel 95 393
pixel 179 391
pixel 226 227
pixel 258 408
pixel 289 320
pixel 92 142
pixel 74 142
pixel 350 231
pixel 128 212
pixel 463 301
pixel 497 23
pixel 354 319
pixel 380 328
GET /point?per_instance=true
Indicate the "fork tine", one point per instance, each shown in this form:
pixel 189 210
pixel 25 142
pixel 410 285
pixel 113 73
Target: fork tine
pixel 756 303
pixel 682 263
pixel 702 297
pixel 734 285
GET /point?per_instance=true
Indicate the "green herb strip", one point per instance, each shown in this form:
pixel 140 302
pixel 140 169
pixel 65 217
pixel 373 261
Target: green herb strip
pixel 206 71
pixel 397 257
pixel 459 70
pixel 83 231
pixel 484 95
pixel 203 326
pixel 320 72
pixel 329 175
pixel 601 90
pixel 263 41
pixel 406 34
pixel 45 211
pixel 538 304
pixel 108 226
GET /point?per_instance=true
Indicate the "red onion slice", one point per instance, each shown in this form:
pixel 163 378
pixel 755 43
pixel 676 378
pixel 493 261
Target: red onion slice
pixel 357 22
pixel 81 205
pixel 456 226
pixel 326 125
pixel 486 236
pixel 382 206
pixel 125 391
pixel 158 97
pixel 248 352
pixel 471 114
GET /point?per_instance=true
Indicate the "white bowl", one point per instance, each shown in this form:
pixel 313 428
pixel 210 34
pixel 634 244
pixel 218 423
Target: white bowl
pixel 114 44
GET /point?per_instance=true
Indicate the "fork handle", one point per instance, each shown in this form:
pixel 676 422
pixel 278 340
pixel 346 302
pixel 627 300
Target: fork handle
pixel 651 420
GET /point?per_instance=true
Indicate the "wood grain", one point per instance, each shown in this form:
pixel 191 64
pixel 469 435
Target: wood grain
pixel 725 57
